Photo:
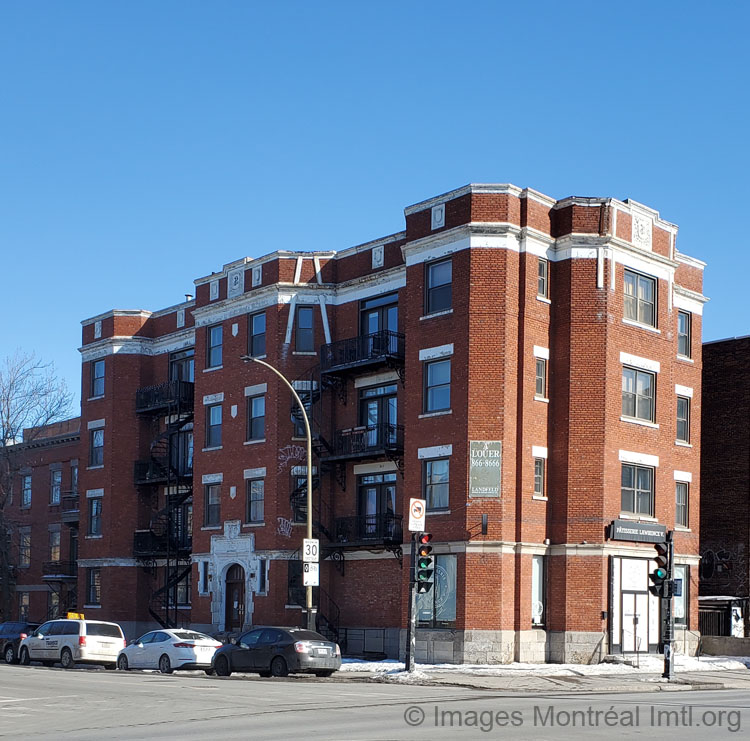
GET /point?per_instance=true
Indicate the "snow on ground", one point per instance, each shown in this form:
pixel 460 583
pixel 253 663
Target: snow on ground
pixel 645 664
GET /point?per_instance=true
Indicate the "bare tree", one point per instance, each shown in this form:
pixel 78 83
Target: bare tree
pixel 31 397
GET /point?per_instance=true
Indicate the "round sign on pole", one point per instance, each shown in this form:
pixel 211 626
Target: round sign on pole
pixel 417 512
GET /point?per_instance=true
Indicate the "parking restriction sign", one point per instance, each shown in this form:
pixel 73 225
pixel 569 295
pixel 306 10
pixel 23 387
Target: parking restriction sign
pixel 310 575
pixel 417 511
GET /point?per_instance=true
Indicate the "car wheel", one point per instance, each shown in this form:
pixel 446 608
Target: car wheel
pixel 222 667
pixel 122 663
pixel 10 654
pixel 25 660
pixel 66 659
pixel 165 665
pixel 279 667
pixel 326 673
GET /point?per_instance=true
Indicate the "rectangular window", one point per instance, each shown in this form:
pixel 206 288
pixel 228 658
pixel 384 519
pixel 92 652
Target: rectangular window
pixel 53 604
pixel 212 509
pixel 256 417
pixel 299 422
pixel 262 581
pixel 182 365
pixel 203 585
pixel 683 334
pixel 95 516
pixel 681 602
pixel 542 283
pixel 181 593
pixel 24 546
pixel 54 545
pixel 539 477
pixel 437 391
pixel 257 339
pixel 683 419
pixel 638 394
pixel 439 280
pixel 538 591
pixel 93 587
pixel 637 490
pixel 213 346
pixel 213 426
pixel 96 447
pixel 303 334
pixel 26 491
pixel 437 608
pixel 681 504
pixel 55 486
pixel 640 298
pixel 97 378
pixel 23 605
pixel 255 496
pixel 437 483
pixel 74 479
pixel 540 387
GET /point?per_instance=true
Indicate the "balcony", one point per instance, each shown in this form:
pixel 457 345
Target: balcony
pixel 60 570
pixel 366 351
pixel 164 397
pixel 70 512
pixel 158 471
pixel 368 530
pixel 147 544
pixel 372 441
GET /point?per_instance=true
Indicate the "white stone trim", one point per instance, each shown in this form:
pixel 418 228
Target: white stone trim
pixel 365 468
pixel 441 351
pixel 376 379
pixel 684 476
pixel 95 424
pixel 324 318
pixel 290 320
pixel 254 473
pixel 683 391
pixel 541 352
pixel 213 398
pixel 302 471
pixel 435 451
pixel 212 478
pixel 298 270
pixel 643 363
pixel 256 390
pixel 642 459
pixel 437 216
pixel 538 451
pixel 93 563
pixel 94 493
pixel 692 303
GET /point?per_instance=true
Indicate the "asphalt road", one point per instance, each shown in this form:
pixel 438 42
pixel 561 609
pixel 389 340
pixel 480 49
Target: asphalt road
pixel 41 703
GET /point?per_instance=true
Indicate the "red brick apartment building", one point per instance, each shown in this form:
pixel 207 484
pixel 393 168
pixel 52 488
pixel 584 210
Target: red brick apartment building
pixel 562 339
pixel 725 475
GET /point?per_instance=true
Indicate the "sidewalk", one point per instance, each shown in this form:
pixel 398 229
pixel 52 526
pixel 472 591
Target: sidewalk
pixel 708 673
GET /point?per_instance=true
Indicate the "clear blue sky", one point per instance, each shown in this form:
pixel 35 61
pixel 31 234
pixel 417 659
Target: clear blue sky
pixel 147 143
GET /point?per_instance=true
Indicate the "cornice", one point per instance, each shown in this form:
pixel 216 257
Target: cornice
pixel 117 312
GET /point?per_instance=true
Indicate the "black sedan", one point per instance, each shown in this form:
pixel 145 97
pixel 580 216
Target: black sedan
pixel 276 652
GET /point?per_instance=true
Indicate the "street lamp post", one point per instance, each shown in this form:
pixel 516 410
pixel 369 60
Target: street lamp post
pixel 308 590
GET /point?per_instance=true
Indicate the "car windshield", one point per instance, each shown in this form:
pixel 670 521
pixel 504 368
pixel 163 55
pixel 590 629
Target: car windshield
pixel 190 635
pixel 103 629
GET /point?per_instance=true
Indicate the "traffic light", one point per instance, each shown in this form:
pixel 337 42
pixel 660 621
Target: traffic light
pixel 425 568
pixel 660 575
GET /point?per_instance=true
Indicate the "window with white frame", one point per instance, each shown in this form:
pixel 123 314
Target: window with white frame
pixel 637 489
pixel 542 283
pixel 538 592
pixel 96 447
pixel 540 380
pixel 640 298
pixel 55 486
pixel 681 601
pixel 304 332
pixel 93 586
pixel 638 387
pixel 439 283
pixel 257 334
pixel 213 426
pixel 437 385
pixel 681 503
pixel 539 487
pixel 97 378
pixel 683 419
pixel 255 494
pixel 683 334
pixel 212 508
pixel 26 491
pixel 436 477
pixel 214 344
pixel 95 516
pixel 256 417
pixel 54 545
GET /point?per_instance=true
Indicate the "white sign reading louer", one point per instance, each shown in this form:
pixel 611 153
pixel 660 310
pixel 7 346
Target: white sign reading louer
pixel 485 466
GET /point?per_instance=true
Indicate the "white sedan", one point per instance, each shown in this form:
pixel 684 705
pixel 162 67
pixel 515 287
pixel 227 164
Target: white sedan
pixel 169 649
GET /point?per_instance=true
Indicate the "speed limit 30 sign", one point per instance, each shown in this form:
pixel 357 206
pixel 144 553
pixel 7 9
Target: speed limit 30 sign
pixel 310 550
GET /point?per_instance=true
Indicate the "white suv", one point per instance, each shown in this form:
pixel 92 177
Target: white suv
pixel 73 641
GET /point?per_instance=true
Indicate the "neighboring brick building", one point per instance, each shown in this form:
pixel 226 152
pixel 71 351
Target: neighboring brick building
pixel 557 341
pixel 42 517
pixel 725 476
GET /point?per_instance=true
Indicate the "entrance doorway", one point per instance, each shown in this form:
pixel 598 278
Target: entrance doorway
pixel 634 622
pixel 234 617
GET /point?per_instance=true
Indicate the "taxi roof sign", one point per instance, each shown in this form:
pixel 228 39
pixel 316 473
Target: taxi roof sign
pixel 75 616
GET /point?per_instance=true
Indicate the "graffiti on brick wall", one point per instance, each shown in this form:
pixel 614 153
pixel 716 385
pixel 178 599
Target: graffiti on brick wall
pixel 291 453
pixel 725 566
pixel 284 528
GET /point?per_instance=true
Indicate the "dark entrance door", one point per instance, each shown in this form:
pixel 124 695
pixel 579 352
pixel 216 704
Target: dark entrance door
pixel 235 598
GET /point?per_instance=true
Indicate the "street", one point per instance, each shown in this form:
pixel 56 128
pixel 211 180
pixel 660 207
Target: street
pixel 95 704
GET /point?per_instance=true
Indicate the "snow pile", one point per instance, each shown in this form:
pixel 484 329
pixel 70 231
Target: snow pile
pixel 645 664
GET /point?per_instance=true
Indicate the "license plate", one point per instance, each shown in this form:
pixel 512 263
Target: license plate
pixel 321 652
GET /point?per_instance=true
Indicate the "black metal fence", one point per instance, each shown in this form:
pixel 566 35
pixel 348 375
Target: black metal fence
pixel 60 568
pixel 362 350
pixel 370 439
pixel 379 528
pixel 162 395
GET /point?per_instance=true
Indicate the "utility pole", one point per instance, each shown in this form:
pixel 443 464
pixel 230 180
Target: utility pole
pixel 411 641
pixel 668 620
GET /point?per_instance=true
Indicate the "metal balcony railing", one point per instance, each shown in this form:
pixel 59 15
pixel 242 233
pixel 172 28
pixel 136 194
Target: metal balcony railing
pixel 380 529
pixel 146 543
pixel 60 570
pixel 371 440
pixel 369 349
pixel 164 395
pixel 157 471
pixel 70 510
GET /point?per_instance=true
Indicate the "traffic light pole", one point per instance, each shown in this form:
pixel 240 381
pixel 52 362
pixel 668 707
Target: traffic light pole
pixel 411 641
pixel 668 615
